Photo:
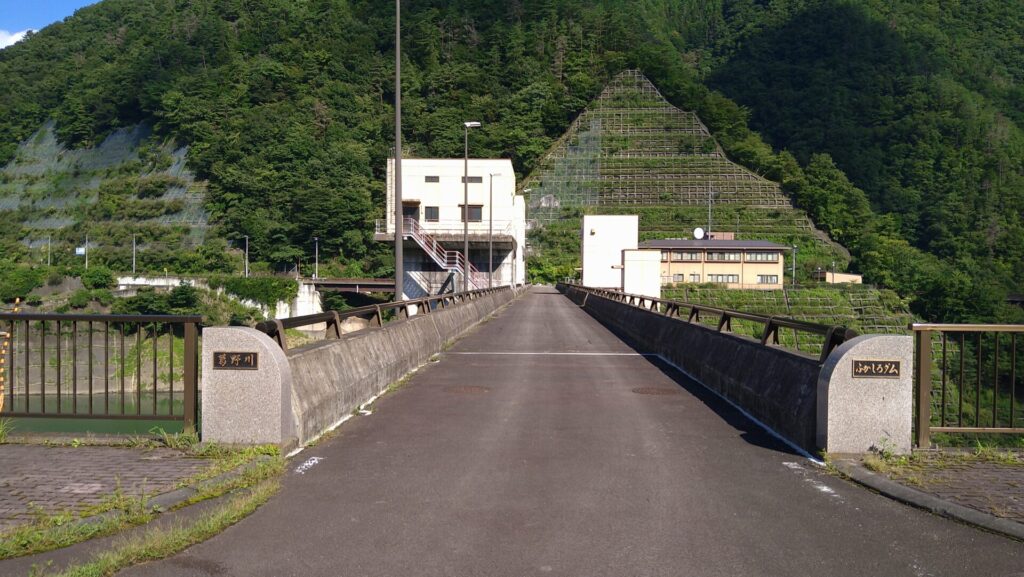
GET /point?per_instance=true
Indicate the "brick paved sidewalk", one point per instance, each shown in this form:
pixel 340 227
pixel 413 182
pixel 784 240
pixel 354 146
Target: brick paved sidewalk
pixel 37 478
pixel 987 485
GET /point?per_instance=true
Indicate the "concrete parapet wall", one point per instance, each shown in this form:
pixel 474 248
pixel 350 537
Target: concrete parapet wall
pixel 776 386
pixel 332 378
pixel 322 382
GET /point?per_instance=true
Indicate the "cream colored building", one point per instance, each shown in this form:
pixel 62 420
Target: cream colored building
pixel 832 277
pixel 432 204
pixel 749 264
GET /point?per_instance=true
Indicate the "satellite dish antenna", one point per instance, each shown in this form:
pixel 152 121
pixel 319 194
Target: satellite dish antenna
pixel 698 233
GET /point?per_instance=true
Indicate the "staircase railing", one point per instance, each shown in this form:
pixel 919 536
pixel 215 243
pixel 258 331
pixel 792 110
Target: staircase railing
pixel 450 260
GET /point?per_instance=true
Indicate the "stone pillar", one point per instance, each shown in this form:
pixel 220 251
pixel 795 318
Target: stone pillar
pixel 243 405
pixel 866 395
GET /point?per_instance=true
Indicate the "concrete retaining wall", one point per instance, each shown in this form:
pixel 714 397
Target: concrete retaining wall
pixel 331 378
pixel 776 386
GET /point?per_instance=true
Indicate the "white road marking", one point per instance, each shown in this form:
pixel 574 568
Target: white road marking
pixel 309 464
pixel 543 354
pixel 798 469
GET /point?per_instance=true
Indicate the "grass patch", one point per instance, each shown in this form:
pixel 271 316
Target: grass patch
pixel 909 468
pixel 160 543
pixel 6 426
pixel 49 531
pixel 119 512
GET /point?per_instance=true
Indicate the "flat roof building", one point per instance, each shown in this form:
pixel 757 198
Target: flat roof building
pixel 750 264
pixel 432 206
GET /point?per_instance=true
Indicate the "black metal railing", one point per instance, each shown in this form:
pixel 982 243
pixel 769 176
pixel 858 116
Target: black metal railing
pixel 827 337
pixel 968 379
pixel 375 315
pixel 101 366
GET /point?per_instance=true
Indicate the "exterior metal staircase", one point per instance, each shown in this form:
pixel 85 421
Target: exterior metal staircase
pixel 452 261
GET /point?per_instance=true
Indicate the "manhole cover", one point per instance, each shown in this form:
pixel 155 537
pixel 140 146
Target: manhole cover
pixel 655 391
pixel 467 389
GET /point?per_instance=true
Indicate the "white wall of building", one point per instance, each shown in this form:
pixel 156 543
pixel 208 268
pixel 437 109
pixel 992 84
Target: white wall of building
pixel 437 183
pixel 604 239
pixel 641 272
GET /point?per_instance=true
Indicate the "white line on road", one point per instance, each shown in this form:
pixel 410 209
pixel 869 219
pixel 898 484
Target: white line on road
pixel 551 354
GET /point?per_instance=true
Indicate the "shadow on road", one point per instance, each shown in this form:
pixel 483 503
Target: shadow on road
pixel 750 431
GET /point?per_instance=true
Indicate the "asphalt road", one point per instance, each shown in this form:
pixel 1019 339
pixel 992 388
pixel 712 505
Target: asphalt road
pixel 542 445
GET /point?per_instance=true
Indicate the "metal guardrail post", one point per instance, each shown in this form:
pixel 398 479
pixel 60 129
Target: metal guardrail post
pixel 191 376
pixel 725 321
pixel 280 336
pixel 923 384
pixel 337 325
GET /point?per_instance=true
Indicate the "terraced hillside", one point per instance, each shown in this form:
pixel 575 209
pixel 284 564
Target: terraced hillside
pixel 864 309
pixel 632 152
pixel 129 184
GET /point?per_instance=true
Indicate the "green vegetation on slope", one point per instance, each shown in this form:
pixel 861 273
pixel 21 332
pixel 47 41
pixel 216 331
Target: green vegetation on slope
pixel 285 109
pixel 864 309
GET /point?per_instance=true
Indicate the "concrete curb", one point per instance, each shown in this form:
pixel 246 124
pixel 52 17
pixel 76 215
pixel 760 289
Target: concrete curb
pixel 921 500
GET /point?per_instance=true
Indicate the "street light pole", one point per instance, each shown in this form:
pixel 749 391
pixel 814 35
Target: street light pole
pixel 710 196
pixel 133 255
pixel 794 266
pixel 465 206
pixel 490 231
pixel 399 219
pixel 246 256
pixel 316 257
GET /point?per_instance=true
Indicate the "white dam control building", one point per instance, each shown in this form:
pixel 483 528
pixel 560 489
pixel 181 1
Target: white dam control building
pixel 432 205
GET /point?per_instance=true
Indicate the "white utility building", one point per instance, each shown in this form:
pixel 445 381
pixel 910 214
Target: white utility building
pixel 611 259
pixel 432 204
pixel 604 239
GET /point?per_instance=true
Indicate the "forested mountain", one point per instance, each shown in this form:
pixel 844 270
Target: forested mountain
pixel 895 124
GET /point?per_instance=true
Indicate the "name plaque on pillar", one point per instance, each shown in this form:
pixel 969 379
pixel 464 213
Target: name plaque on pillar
pixel 236 361
pixel 876 369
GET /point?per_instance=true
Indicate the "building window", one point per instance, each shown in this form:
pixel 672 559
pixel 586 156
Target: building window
pixel 685 256
pixel 473 179
pixel 677 278
pixel 767 279
pixel 431 179
pixel 762 257
pixel 431 213
pixel 476 212
pixel 724 278
pixel 725 256
pixel 694 277
pixel 664 256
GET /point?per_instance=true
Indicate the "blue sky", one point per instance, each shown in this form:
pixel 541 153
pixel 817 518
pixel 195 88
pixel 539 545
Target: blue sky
pixel 17 16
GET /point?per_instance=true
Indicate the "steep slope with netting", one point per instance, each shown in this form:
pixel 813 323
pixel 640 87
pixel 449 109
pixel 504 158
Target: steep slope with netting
pixel 632 152
pixel 130 184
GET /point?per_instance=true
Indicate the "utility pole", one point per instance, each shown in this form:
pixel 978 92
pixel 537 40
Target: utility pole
pixel 490 232
pixel 246 256
pixel 399 217
pixel 710 193
pixel 133 255
pixel 794 266
pixel 316 265
pixel 465 206
pixel 86 252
